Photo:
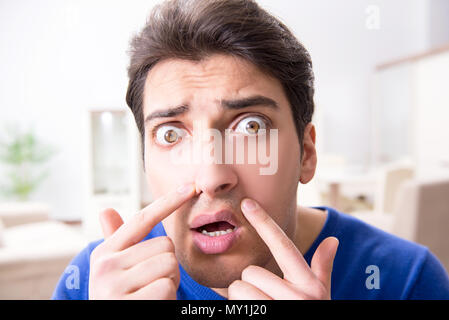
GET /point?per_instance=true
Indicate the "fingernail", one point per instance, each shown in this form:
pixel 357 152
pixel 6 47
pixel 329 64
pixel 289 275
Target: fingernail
pixel 186 188
pixel 249 205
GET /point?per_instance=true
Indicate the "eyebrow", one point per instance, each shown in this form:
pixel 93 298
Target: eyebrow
pixel 234 104
pixel 249 102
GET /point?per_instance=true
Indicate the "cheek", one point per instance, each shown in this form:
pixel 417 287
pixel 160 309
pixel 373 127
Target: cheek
pixel 162 174
pixel 286 176
pixel 277 192
pixel 163 177
pixel 159 173
pixel 272 192
pixel 289 157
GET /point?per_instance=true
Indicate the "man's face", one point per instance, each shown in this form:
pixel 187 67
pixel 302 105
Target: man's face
pixel 197 92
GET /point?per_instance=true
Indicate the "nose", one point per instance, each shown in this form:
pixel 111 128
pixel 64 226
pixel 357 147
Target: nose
pixel 215 179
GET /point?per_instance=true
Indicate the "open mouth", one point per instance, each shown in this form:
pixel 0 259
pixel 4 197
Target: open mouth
pixel 216 229
pixel 215 233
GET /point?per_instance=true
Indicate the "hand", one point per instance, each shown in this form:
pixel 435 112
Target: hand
pixel 123 267
pixel 299 280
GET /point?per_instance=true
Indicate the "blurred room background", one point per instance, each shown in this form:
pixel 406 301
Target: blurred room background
pixel 69 146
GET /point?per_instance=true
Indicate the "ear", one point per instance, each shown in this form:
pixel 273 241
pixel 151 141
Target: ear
pixel 309 159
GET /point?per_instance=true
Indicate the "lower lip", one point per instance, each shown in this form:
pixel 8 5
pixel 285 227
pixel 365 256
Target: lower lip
pixel 214 245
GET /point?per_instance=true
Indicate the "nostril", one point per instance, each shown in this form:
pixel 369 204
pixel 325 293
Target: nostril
pixel 223 187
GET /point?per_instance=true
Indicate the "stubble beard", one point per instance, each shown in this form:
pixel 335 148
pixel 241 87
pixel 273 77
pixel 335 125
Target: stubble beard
pixel 219 271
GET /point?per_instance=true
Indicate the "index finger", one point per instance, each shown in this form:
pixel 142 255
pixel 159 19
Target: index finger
pixel 284 251
pixel 142 223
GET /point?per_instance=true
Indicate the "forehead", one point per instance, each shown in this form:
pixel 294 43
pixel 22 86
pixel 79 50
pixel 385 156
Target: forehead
pixel 199 83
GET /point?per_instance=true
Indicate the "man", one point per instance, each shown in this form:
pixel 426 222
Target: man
pixel 222 229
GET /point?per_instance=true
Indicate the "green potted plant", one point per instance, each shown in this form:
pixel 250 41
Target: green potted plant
pixel 23 157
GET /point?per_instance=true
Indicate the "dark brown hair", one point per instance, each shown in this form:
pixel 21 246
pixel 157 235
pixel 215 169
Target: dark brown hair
pixel 196 29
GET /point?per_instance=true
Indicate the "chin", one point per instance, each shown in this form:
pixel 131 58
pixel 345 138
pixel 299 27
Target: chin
pixel 214 276
pixel 219 271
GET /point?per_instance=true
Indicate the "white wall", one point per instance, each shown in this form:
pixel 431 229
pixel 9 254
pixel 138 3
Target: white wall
pixel 438 31
pixel 60 58
pixel 345 52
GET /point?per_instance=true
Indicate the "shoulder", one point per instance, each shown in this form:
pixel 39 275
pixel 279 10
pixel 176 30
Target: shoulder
pixel 74 281
pixel 361 236
pixel 402 266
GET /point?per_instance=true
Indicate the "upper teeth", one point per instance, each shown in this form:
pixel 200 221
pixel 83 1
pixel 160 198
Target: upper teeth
pixel 216 233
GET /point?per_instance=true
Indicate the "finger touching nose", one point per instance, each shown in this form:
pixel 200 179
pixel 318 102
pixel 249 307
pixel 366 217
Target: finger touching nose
pixel 214 180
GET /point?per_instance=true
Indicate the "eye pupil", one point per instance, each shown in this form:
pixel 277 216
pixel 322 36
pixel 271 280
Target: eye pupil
pixel 252 126
pixel 171 136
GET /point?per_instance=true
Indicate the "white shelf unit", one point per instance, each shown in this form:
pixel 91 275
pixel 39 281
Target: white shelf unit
pixel 114 176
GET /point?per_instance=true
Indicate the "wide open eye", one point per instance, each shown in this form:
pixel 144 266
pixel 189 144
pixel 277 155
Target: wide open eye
pixel 169 135
pixel 251 125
